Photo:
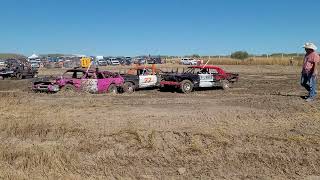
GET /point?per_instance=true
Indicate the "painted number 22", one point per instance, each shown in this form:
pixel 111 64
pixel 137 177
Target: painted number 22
pixel 147 80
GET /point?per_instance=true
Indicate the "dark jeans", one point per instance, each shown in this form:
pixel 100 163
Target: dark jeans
pixel 309 82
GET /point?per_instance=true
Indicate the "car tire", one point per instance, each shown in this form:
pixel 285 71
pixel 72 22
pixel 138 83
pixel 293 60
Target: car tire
pixel 163 88
pixel 19 76
pixel 166 88
pixel 112 89
pixel 128 87
pixel 68 88
pixel 225 85
pixel 186 86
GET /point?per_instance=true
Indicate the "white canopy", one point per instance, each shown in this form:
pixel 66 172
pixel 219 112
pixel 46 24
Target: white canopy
pixel 99 57
pixel 33 56
pixel 80 55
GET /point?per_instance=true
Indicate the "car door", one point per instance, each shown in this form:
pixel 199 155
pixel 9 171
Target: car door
pixel 89 83
pixel 103 82
pixel 206 79
pixel 147 79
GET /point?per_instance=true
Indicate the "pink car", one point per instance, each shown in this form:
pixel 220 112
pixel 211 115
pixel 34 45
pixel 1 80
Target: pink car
pixel 92 81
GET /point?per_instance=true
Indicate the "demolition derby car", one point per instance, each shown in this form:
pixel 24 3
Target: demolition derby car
pixel 199 77
pixel 17 69
pixel 141 77
pixel 93 81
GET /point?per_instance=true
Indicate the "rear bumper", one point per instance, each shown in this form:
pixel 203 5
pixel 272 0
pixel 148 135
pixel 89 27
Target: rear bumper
pixel 234 79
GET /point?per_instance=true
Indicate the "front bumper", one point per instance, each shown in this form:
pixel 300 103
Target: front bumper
pixel 46 88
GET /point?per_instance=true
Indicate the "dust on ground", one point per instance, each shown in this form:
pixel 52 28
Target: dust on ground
pixel 259 129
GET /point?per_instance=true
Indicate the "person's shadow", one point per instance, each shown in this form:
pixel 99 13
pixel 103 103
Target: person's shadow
pixel 303 97
pixel 290 95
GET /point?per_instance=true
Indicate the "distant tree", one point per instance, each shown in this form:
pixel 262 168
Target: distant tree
pixel 195 55
pixel 240 55
pixel 11 56
pixel 276 54
pixel 52 55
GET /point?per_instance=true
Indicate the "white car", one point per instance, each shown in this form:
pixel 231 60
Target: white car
pixel 188 61
pixel 114 62
pixel 102 62
pixel 2 64
pixel 35 64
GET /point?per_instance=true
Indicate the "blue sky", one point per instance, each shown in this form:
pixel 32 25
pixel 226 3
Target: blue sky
pixel 166 27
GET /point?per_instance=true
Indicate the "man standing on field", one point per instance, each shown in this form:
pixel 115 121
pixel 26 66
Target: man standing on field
pixel 309 71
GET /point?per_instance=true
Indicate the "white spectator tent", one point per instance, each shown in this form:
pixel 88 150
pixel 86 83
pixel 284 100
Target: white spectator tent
pixel 33 56
pixel 80 55
pixel 99 57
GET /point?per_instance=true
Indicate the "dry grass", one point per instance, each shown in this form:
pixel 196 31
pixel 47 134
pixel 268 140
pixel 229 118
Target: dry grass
pixel 238 134
pixel 250 61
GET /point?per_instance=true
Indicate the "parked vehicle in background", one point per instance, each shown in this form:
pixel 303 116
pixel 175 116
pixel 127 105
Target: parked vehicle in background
pixel 114 61
pixel 199 77
pixel 121 60
pixel 128 60
pixel 93 81
pixel 102 62
pixel 53 59
pixel 2 64
pixel 148 60
pixel 107 59
pixel 139 60
pixel 18 69
pixel 154 60
pixel 35 64
pixel 188 61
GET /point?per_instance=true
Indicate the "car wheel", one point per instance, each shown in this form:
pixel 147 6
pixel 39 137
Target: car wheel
pixel 163 88
pixel 19 76
pixel 68 88
pixel 128 87
pixel 225 85
pixel 113 89
pixel 186 86
pixel 166 88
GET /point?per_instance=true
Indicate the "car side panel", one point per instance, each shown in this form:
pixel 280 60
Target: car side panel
pixel 89 85
pixel 206 80
pixel 75 82
pixel 147 81
pixel 131 78
pixel 103 84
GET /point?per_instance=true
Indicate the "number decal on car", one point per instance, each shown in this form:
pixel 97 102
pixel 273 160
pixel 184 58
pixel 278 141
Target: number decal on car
pixel 206 77
pixel 147 80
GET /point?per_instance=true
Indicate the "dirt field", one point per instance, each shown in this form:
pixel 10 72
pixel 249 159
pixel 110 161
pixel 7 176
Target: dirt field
pixel 260 129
